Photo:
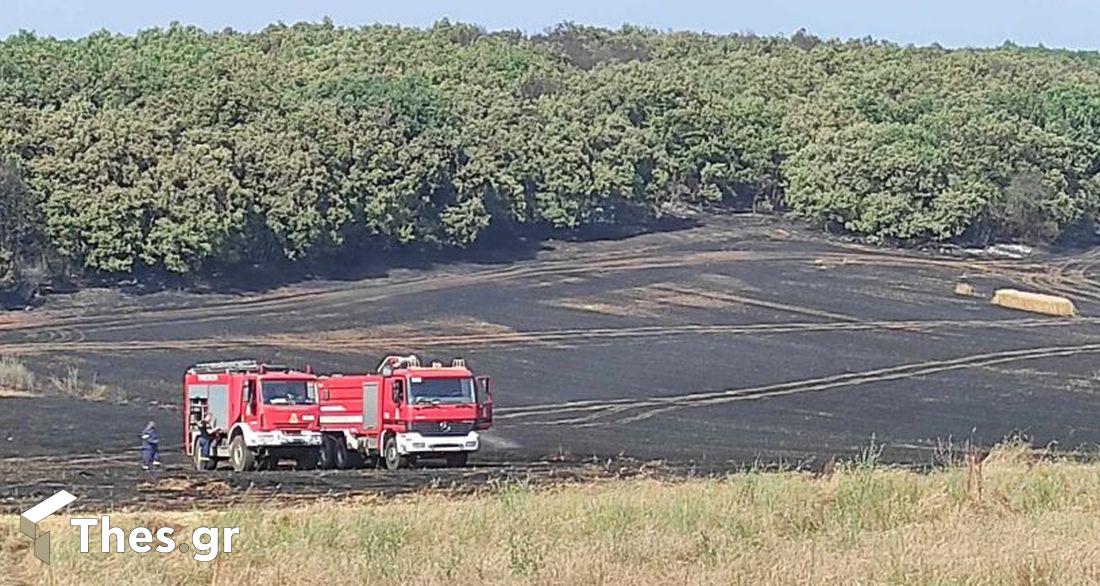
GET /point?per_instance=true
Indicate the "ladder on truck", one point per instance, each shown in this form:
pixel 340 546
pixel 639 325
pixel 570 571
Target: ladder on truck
pixel 234 366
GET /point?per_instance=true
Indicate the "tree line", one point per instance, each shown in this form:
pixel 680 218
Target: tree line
pixel 178 150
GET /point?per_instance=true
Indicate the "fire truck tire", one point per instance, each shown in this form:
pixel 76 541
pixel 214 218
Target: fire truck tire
pixel 458 460
pixel 326 459
pixel 341 457
pixel 391 458
pixel 241 455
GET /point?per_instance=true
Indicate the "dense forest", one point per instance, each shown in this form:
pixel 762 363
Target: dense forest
pixel 177 150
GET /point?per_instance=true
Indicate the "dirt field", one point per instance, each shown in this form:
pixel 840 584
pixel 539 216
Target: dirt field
pixel 739 340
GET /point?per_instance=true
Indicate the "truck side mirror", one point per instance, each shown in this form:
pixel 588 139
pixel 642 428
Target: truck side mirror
pixel 398 391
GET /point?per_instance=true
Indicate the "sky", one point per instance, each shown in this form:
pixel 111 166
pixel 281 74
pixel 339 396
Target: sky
pixel 1073 24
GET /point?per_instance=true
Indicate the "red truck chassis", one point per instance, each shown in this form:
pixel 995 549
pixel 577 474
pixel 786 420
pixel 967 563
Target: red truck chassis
pixel 258 415
pixel 403 412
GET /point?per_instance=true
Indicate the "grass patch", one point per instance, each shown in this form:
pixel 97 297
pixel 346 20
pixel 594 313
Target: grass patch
pixel 15 376
pixel 72 384
pixel 16 380
pixel 1011 518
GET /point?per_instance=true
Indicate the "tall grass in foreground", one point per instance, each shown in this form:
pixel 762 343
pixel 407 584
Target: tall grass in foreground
pixel 1012 519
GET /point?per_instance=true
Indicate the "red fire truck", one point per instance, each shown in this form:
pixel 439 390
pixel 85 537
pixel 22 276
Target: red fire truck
pixel 257 414
pixel 402 412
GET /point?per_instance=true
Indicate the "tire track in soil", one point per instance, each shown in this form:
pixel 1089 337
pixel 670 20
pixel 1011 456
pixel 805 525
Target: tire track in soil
pixel 590 413
pixel 1065 277
pixel 1073 271
pixel 520 338
pixel 287 300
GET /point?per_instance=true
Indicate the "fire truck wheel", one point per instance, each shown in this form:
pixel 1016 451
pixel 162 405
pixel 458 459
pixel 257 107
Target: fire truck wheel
pixel 241 455
pixel 391 459
pixel 325 460
pixel 458 460
pixel 341 457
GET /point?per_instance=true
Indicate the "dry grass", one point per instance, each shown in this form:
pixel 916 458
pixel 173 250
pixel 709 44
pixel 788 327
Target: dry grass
pixel 708 291
pixel 648 301
pixel 1011 519
pixel 15 377
pixel 17 381
pixel 72 384
pixel 401 338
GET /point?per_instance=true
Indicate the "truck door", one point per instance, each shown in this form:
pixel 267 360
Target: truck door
pixel 393 395
pixel 251 401
pixel 483 389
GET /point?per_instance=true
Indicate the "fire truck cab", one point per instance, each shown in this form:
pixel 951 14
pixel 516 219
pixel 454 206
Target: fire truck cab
pixel 402 412
pixel 258 414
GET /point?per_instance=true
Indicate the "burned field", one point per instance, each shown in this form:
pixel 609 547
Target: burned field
pixel 736 341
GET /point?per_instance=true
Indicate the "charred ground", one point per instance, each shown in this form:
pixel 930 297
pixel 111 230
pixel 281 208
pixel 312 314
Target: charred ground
pixel 737 340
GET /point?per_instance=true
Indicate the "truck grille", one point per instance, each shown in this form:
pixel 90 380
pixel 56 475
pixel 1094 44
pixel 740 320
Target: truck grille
pixel 437 428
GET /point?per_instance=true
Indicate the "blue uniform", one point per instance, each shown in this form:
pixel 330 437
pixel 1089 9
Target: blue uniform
pixel 149 444
pixel 205 439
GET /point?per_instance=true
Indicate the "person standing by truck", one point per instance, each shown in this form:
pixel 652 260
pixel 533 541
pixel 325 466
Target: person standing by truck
pixel 150 442
pixel 206 436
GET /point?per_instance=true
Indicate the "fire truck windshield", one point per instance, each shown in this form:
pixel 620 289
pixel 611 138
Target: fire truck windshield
pixel 441 390
pixel 287 392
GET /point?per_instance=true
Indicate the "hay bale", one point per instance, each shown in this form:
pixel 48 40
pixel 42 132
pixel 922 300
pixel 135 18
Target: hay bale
pixel 1034 302
pixel 965 290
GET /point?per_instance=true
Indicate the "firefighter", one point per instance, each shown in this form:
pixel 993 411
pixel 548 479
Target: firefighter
pixel 150 441
pixel 206 436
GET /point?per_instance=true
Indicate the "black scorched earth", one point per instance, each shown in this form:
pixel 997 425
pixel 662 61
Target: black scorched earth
pixel 734 341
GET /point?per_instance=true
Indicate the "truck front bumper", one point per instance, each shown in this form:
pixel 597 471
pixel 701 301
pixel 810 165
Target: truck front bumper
pixel 415 443
pixel 280 439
